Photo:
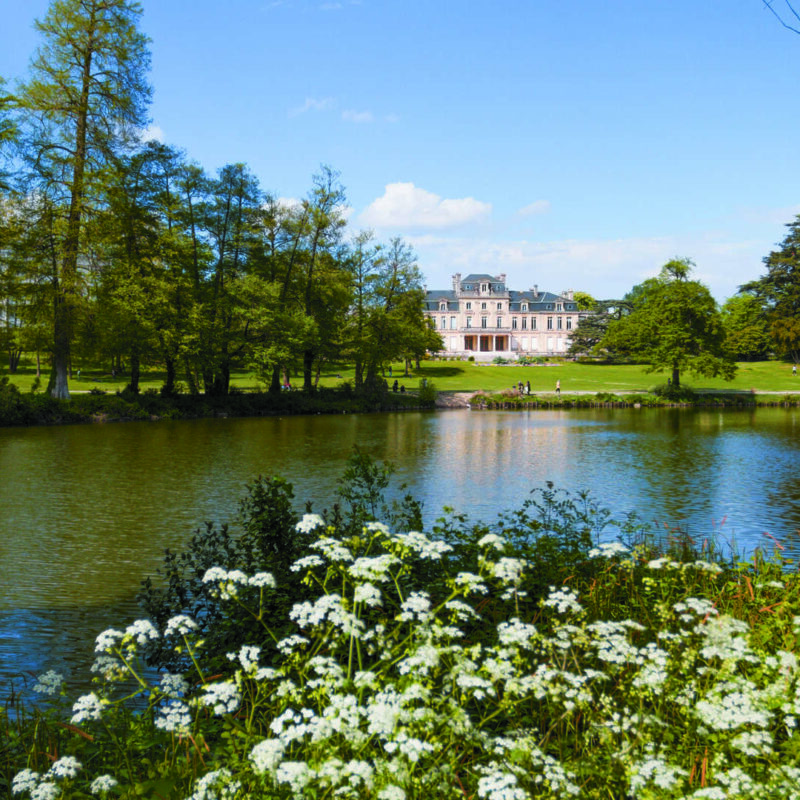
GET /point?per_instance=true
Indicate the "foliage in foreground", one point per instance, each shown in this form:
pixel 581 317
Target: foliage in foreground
pixel 443 665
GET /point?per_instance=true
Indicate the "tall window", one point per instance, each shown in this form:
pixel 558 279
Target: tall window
pixel 499 322
pixel 499 306
pixel 483 306
pixel 549 323
pixel 524 323
pixel 444 322
pixel 469 322
pixel 569 323
pixel 559 323
pixel 514 323
pixel 533 323
pixel 484 322
pixel 452 323
pixel 469 306
pixel 524 306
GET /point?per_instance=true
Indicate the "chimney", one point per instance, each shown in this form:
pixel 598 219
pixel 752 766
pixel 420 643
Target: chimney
pixel 535 290
pixel 456 282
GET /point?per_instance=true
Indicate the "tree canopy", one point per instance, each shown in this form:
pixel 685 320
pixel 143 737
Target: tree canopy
pixel 674 325
pixel 778 293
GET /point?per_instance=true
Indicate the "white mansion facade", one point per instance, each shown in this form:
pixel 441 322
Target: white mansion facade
pixel 481 317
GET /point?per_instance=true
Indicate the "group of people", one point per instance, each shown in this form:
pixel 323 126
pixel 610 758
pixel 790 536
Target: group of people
pixel 523 388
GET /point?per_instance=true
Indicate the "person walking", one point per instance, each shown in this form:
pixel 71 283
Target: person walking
pixel 558 388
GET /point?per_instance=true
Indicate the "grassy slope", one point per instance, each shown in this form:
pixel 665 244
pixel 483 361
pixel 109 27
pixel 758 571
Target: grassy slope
pixel 763 376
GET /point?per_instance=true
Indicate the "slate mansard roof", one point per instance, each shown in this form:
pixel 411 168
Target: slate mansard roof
pixel 537 301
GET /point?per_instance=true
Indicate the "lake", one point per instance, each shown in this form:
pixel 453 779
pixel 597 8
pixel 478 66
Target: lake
pixel 87 511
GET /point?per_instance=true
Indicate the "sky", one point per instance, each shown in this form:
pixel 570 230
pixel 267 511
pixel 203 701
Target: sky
pixel 568 144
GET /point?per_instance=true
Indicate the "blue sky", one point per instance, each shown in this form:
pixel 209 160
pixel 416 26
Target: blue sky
pixel 568 144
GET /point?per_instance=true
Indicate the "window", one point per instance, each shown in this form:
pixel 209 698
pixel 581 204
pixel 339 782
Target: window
pixel 524 323
pixel 442 306
pixel 483 306
pixel 569 323
pixel 549 323
pixel 433 322
pixel 559 323
pixel 499 322
pixel 469 322
pixel 484 322
pixel 444 323
pixel 484 287
pixel 558 306
pixel 524 306
pixel 514 323
pixel 499 306
pixel 469 306
pixel 452 323
pixel 533 323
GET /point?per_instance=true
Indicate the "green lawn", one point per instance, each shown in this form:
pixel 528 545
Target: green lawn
pixel 463 376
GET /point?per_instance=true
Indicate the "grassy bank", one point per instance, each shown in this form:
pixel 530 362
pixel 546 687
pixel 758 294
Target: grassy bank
pixel 17 408
pixel 465 376
pixel 343 657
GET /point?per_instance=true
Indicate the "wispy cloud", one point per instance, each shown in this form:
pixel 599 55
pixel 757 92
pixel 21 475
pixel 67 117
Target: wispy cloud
pixel 537 207
pixel 151 133
pixel 358 116
pixel 406 205
pixel 313 104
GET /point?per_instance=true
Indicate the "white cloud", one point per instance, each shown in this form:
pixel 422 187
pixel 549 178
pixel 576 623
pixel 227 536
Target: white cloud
pixel 313 104
pixel 357 116
pixel 151 133
pixel 537 207
pixel 406 205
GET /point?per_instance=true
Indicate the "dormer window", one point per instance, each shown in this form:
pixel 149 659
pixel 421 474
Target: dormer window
pixel 485 287
pixel 443 306
pixel 524 306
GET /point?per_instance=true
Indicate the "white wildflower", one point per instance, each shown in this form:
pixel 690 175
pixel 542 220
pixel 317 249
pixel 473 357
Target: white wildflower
pixel 377 527
pixel 563 600
pixel 368 594
pixel 180 625
pixel 295 773
pixel 608 550
pixel 248 657
pixel 427 549
pixel 470 583
pixel 508 570
pixel 46 791
pixel 492 540
pixel 373 569
pixel 307 562
pixel 262 580
pixel 417 604
pixel 49 683
pixel 65 767
pixel 332 549
pixel 498 785
pixel 391 792
pixel 266 755
pixel 515 632
pixel 217 785
pixel 86 708
pixel 657 772
pixel 173 685
pixel 102 784
pixel 174 717
pixel 25 781
pixel 223 697
pixel 141 631
pixel 107 640
pixel 309 523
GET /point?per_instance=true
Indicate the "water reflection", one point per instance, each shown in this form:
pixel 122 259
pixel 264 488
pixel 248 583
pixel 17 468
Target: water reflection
pixel 87 511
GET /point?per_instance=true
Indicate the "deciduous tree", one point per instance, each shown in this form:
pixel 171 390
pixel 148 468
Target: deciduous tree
pixel 85 98
pixel 674 326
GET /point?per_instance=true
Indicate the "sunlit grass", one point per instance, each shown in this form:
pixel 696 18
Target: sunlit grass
pixel 464 376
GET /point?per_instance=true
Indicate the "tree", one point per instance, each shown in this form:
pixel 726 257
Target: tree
pixel 745 327
pixel 86 96
pixel 674 325
pixel 779 293
pixel 584 301
pixel 590 330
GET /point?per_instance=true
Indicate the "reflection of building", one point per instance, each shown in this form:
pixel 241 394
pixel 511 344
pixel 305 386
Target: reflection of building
pixel 480 317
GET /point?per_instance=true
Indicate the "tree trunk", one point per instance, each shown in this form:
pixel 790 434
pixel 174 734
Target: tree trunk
pixel 133 384
pixel 169 381
pixel 308 367
pixel 275 383
pixel 676 377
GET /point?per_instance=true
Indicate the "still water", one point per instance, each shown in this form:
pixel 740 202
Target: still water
pixel 87 511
